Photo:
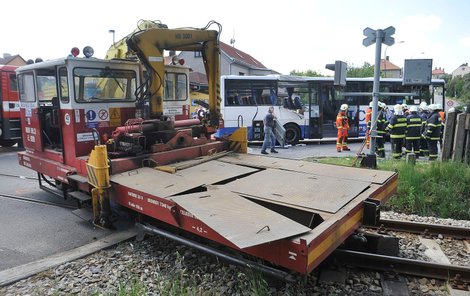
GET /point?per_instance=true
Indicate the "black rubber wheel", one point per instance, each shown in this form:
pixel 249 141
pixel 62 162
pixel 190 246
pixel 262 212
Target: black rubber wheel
pixel 8 143
pixel 292 136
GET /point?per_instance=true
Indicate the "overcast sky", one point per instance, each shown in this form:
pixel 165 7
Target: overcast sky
pixel 283 35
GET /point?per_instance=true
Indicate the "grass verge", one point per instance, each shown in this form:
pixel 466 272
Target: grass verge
pixel 438 189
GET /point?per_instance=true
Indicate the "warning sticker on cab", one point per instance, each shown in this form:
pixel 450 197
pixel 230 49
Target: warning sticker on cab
pixel 96 118
pixel 114 116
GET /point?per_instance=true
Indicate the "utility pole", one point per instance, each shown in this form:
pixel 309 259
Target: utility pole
pixel 378 37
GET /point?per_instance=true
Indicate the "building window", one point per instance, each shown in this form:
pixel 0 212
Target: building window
pixel 198 54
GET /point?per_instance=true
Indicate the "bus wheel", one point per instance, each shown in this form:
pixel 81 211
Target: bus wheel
pixel 292 136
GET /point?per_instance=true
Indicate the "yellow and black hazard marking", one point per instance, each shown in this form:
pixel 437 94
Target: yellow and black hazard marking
pixel 238 141
pixel 97 167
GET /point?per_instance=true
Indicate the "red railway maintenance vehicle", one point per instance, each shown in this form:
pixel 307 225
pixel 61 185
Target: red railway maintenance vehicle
pixel 10 130
pixel 96 128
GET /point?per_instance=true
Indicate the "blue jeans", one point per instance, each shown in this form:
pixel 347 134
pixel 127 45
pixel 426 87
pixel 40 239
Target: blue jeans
pixel 269 138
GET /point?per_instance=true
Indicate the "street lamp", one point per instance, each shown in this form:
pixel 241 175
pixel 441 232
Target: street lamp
pixel 112 31
pixel 385 58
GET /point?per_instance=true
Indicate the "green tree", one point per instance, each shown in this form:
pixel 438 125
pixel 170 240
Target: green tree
pixel 308 73
pixel 459 88
pixel 366 70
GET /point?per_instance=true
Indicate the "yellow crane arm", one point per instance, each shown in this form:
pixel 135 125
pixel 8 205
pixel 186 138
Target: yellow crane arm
pixel 149 46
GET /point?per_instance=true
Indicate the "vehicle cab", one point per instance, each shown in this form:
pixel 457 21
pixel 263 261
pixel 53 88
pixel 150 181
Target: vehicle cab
pixel 67 105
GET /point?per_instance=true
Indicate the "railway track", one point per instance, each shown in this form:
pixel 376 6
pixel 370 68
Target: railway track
pixel 458 276
pixel 423 229
pixel 31 200
pixel 18 176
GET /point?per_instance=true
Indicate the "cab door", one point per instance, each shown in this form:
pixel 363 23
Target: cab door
pixel 30 113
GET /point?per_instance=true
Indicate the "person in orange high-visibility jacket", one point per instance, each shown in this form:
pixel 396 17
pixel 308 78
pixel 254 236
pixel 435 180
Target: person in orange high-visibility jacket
pixel 342 124
pixel 368 124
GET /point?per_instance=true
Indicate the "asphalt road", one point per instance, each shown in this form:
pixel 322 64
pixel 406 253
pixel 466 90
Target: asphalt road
pixel 31 231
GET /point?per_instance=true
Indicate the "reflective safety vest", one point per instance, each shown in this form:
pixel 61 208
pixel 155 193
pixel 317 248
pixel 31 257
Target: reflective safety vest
pixel 397 126
pixel 381 125
pixel 413 126
pixel 433 126
pixel 342 121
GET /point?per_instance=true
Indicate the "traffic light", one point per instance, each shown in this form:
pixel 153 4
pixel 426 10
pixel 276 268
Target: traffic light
pixel 340 68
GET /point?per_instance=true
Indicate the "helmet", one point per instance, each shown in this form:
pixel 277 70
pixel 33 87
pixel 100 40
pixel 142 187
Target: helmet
pixel 432 107
pixel 438 106
pixel 398 109
pixel 404 106
pixel 413 109
pixel 344 107
pixel 422 105
pixel 371 104
pixel 382 105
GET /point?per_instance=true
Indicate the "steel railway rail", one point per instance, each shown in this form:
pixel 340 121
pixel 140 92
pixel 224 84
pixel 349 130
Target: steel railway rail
pixel 18 176
pixel 424 229
pixel 31 200
pixel 459 276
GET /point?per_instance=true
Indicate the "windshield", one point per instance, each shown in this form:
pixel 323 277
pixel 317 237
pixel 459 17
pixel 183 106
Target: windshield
pixel 98 85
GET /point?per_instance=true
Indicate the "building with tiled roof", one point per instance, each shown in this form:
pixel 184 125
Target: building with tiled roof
pixel 12 60
pixel 233 61
pixel 438 73
pixel 461 70
pixel 388 69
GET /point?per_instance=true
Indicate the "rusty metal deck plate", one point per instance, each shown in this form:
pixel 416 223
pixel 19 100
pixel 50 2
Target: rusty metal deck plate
pixel 319 169
pixel 164 184
pixel 242 222
pixel 302 190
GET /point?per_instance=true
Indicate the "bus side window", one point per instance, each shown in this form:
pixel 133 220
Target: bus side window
pixel 290 104
pixel 237 100
pixel 284 103
pixel 297 103
pixel 230 101
pixel 252 101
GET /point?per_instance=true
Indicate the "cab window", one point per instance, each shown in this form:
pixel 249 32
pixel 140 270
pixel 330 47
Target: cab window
pixel 104 85
pixel 176 87
pixel 26 87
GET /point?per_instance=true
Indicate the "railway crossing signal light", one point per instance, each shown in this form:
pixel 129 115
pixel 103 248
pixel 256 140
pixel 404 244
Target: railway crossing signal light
pixel 341 69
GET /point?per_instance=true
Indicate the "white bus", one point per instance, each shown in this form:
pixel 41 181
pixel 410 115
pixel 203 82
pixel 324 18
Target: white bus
pixel 307 106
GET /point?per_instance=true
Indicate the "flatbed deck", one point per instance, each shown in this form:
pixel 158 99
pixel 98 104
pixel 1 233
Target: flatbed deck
pixel 291 213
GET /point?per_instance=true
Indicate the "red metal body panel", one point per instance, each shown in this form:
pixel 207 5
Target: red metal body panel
pixel 287 253
pixel 9 97
pixel 162 158
pixel 40 162
pixel 31 128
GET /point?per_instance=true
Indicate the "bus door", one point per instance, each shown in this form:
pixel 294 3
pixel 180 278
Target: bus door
pixel 328 107
pixel 314 114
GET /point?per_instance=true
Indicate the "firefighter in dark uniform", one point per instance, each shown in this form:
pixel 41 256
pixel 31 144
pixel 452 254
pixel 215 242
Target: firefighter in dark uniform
pixel 381 125
pixel 368 124
pixel 397 128
pixel 424 114
pixel 433 131
pixel 413 131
